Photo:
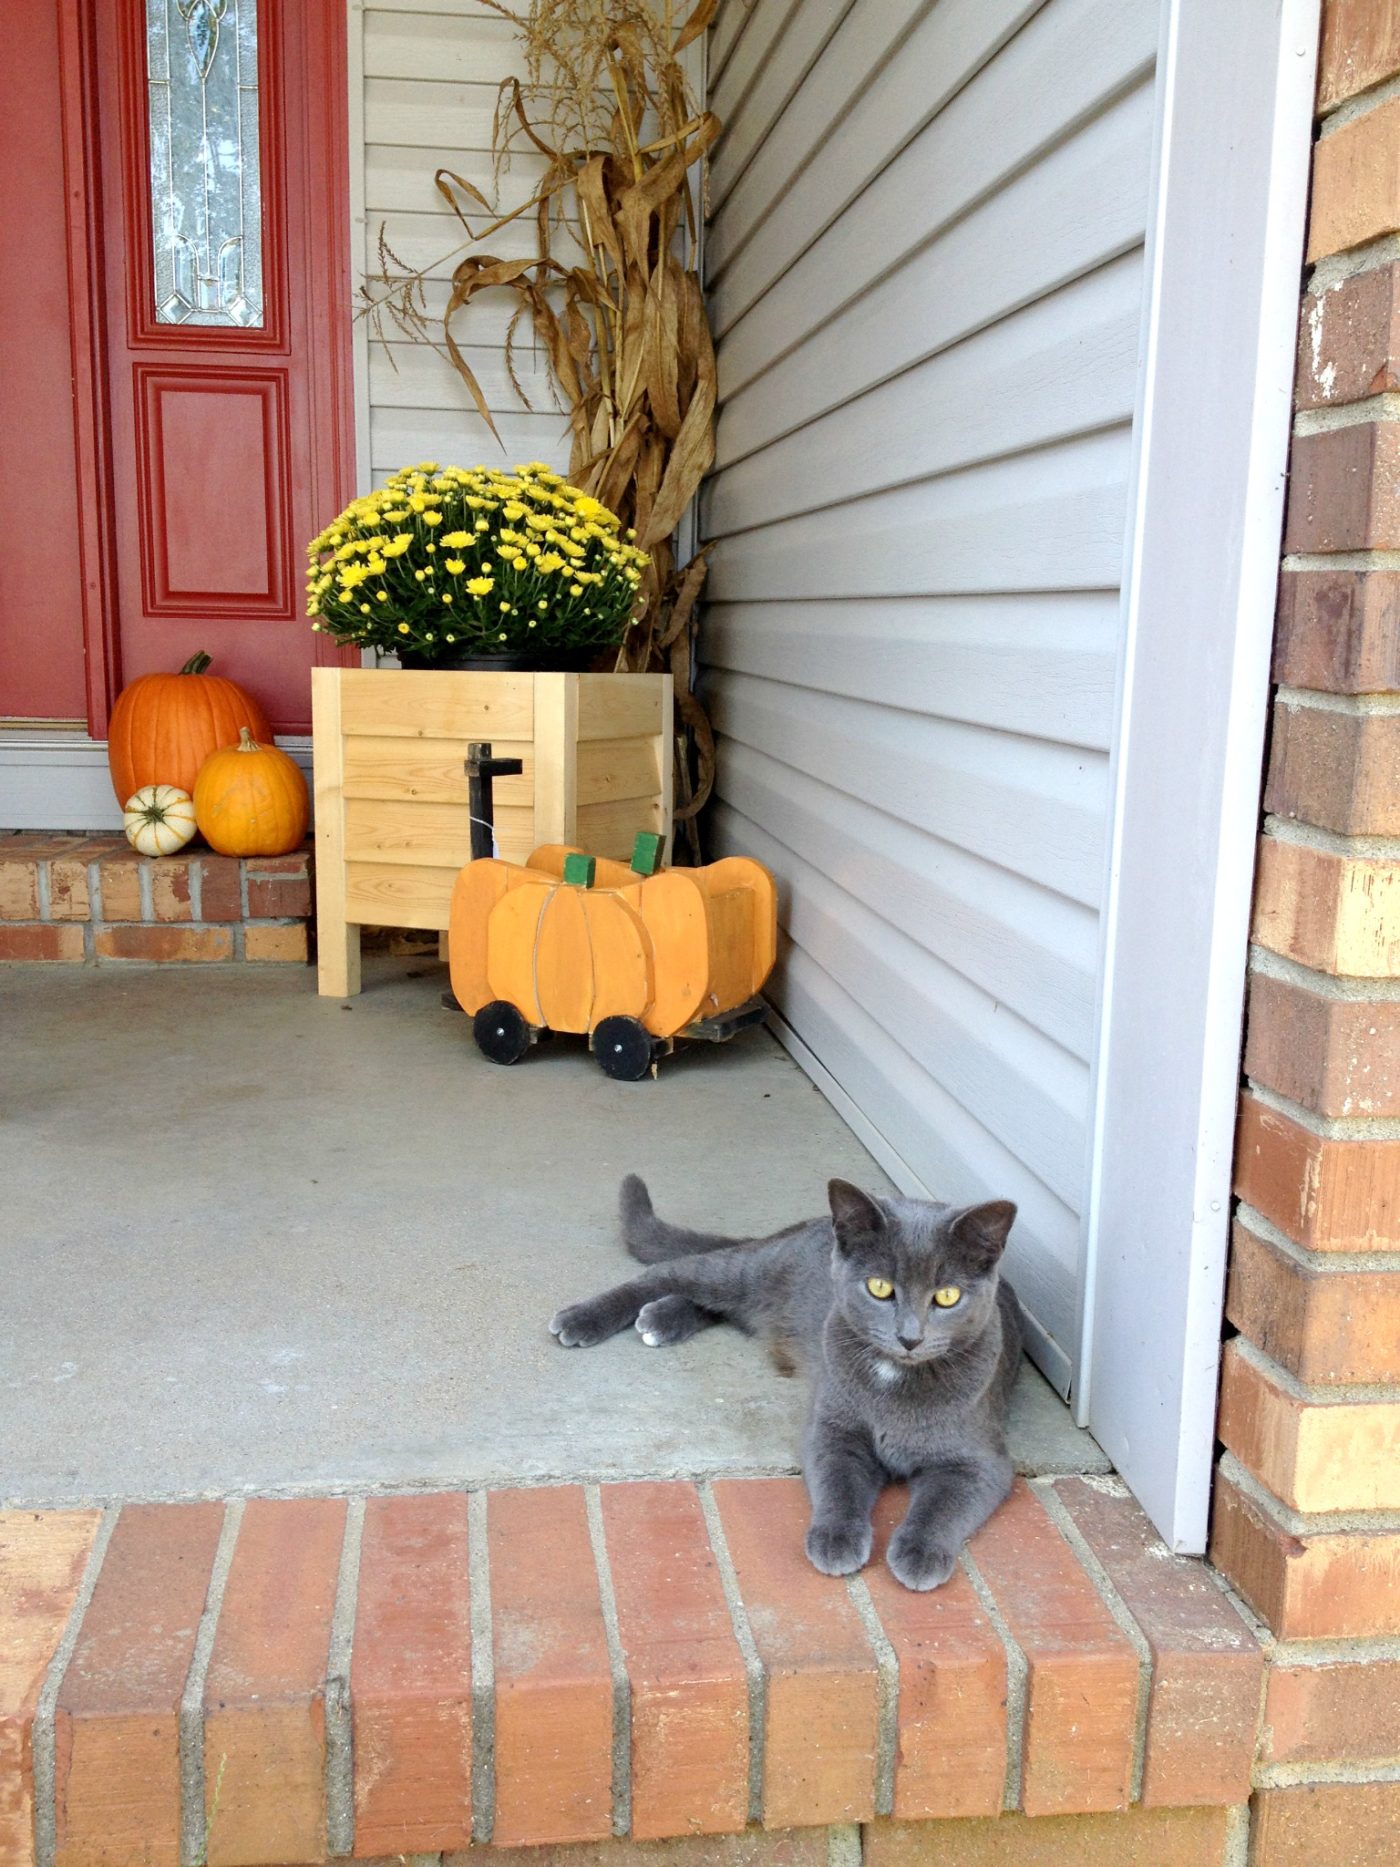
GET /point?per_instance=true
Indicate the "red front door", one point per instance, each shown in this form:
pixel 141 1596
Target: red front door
pixel 226 309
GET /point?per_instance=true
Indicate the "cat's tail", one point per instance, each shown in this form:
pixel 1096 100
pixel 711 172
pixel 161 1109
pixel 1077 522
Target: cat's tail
pixel 652 1240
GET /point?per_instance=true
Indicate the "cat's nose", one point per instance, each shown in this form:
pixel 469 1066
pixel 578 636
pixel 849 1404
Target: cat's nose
pixel 907 1340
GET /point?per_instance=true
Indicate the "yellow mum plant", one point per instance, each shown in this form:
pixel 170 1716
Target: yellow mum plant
pixel 445 564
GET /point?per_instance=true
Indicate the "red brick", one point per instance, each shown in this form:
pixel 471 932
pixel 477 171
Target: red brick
pixel 38 845
pixel 554 1695
pixel 950 1754
pixel 1082 1671
pixel 283 942
pixel 1321 1325
pixel 19 891
pixel 119 884
pixel 1356 182
pixel 1349 340
pixel 40 941
pixel 221 888
pixel 165 945
pixel 170 889
pixel 68 891
pixel 1339 771
pixel 297 864
pixel 1340 1585
pixel 1207 1668
pixel 1136 1838
pixel 1360 47
pixel 1344 489
pixel 1324 1193
pixel 822 1685
pixel 1326 1825
pixel 410 1680
pixel 690 1712
pixel 278 897
pixel 42 1557
pixel 264 1697
pixel 759 1847
pixel 1339 1057
pixel 1339 631
pixel 1321 1714
pixel 1341 1455
pixel 117 1739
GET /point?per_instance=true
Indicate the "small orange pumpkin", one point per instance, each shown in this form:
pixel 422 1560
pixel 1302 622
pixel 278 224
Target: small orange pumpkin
pixel 164 726
pixel 250 800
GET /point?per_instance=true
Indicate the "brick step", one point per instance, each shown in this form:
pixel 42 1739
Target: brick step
pixel 299 1679
pixel 93 900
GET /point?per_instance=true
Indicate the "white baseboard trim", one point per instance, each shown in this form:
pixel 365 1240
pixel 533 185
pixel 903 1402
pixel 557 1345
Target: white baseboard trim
pixel 60 781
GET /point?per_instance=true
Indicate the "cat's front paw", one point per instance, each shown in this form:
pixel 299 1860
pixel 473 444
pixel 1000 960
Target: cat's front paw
pixel 839 1548
pixel 920 1562
pixel 584 1325
pixel 667 1320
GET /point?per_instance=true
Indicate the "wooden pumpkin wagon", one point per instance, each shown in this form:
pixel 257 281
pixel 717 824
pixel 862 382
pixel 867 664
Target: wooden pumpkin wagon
pixel 633 958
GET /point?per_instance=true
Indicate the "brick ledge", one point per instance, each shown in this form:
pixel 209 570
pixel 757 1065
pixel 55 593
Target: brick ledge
pixel 563 1665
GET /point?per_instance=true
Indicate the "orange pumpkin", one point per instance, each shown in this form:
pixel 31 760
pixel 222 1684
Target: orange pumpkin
pixel 250 800
pixel 164 726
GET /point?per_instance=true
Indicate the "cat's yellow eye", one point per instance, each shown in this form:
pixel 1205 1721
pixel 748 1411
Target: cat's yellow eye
pixel 879 1287
pixel 948 1296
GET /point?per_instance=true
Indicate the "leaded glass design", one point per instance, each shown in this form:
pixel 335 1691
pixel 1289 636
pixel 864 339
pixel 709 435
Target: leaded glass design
pixel 206 185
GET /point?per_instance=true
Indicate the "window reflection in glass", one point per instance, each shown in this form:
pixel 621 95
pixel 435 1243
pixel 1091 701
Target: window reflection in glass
pixel 206 193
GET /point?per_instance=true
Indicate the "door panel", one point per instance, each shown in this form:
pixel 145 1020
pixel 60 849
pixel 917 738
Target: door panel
pixel 229 218
pixel 41 616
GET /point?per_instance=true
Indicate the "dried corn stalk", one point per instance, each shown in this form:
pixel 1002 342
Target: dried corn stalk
pixel 622 324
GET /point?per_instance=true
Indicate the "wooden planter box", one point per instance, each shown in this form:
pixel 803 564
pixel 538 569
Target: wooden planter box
pixel 392 824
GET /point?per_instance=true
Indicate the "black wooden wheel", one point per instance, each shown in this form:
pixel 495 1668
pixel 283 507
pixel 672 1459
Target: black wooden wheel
pixel 500 1032
pixel 624 1049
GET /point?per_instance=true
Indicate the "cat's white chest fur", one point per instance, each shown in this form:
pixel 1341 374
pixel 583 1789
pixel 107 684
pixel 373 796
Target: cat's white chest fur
pixel 886 1372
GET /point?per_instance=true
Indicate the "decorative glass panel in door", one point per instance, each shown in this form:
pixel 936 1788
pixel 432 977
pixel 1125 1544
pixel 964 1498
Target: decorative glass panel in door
pixel 206 182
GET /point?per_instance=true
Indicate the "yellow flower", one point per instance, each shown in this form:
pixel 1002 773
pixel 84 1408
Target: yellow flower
pixel 420 575
pixel 447 596
pixel 539 521
pixel 481 586
pixel 403 628
pixel 364 609
pixel 483 525
pixel 458 540
pixel 397 545
pixel 513 510
pixel 432 518
pixel 522 563
pixel 381 596
pixel 456 566
pixel 551 561
pixel 575 589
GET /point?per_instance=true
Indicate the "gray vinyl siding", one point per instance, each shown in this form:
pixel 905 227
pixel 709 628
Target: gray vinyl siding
pixel 425 93
pixel 925 268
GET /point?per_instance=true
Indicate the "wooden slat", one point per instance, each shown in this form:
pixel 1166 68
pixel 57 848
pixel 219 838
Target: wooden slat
pixel 403 375
pixel 423 835
pixel 395 895
pixel 733 79
pixel 437 705
pixel 626 709
pixel 400 177
pixel 429 770
pixel 433 241
pixel 609 769
pixel 337 943
pixel 408 112
pixel 611 829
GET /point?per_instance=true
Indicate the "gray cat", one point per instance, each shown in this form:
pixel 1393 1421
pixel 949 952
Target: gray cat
pixel 897 1309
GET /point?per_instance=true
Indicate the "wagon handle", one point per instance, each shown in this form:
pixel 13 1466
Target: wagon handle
pixel 481 769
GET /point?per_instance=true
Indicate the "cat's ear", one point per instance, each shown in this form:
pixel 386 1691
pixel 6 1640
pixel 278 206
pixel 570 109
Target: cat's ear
pixel 978 1234
pixel 854 1214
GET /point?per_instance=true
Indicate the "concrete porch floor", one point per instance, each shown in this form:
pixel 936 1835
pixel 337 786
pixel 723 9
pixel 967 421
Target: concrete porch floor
pixel 256 1241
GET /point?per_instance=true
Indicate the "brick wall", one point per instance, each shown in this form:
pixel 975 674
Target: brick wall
pixel 1307 1507
pixel 77 899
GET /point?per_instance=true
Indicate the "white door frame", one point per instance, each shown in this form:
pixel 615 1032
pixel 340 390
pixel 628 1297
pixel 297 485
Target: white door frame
pixel 1235 94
